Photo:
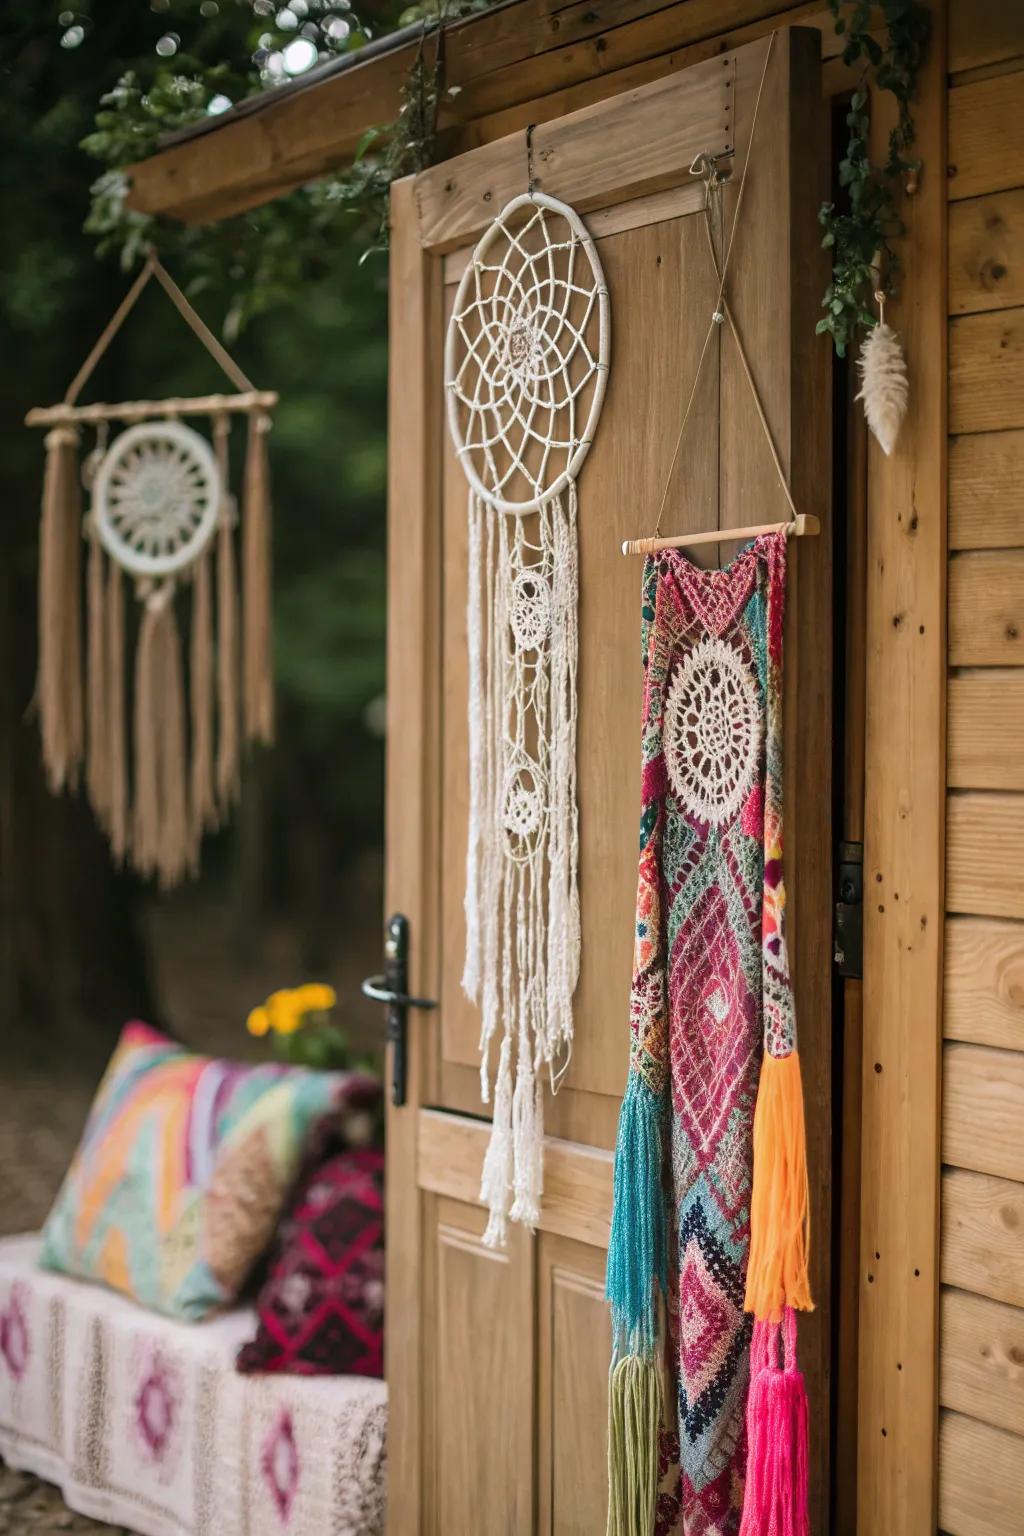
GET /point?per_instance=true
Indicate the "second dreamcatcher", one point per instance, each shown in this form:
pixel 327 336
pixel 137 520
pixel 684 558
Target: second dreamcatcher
pixel 161 523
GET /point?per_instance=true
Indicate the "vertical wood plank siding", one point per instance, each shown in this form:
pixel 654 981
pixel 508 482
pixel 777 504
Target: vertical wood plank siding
pixel 981 1341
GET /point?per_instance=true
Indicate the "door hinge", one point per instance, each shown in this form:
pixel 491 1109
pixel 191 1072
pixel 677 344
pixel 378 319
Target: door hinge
pixel 848 939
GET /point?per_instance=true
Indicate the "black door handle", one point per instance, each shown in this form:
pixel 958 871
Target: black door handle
pixel 390 988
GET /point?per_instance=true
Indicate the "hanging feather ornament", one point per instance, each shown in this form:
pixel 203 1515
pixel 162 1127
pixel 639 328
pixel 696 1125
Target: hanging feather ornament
pixel 883 374
pixel 160 521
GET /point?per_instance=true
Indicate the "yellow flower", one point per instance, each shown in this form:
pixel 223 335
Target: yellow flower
pixel 315 996
pixel 258 1022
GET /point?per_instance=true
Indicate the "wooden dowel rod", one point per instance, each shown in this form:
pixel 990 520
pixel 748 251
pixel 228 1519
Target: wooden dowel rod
pixel 799 527
pixel 143 410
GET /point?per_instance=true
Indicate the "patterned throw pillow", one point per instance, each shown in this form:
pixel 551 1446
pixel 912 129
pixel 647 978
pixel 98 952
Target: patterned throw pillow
pixel 184 1167
pixel 321 1310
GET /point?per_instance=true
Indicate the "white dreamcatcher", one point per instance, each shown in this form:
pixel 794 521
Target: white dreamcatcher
pixel 526 366
pixel 161 757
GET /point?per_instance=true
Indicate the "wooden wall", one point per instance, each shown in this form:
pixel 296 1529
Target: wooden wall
pixel 981 1315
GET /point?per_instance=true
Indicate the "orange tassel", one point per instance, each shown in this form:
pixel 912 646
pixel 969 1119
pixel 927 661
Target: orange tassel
pixel 777 1271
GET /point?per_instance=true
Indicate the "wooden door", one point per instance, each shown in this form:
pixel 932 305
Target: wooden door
pixel 497 1361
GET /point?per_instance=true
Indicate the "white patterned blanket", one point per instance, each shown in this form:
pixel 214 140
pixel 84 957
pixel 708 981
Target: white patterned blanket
pixel 143 1421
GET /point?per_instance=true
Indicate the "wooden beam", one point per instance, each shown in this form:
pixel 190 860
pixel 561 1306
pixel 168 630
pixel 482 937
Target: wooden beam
pixel 903 874
pixel 981 1489
pixel 983 1234
pixel 982 1110
pixel 981 1347
pixel 515 64
pixel 985 987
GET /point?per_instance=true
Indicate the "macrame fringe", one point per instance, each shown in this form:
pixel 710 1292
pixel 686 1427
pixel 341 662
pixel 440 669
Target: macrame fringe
pixel 97 770
pixel 203 801
pixel 634 1423
pixel 59 683
pixel 775 1494
pixel 777 1269
pixel 637 1247
pixel 522 899
pixel 117 809
pixel 496 1177
pixel 227 640
pixel 161 843
pixel 257 661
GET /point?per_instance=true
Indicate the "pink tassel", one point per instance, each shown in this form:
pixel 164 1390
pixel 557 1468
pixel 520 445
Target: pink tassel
pixel 775 1496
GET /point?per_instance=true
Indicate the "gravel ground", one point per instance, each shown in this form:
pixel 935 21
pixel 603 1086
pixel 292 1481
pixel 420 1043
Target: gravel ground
pixel 31 1508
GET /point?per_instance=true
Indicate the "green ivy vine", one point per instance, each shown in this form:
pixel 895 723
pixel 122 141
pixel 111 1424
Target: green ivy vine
pixel 860 229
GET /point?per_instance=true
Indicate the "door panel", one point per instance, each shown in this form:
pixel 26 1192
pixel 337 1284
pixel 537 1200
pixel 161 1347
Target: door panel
pixel 574 1331
pixel 497 1364
pixel 482 1305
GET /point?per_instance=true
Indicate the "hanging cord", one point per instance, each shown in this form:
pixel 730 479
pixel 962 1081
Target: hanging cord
pixel 705 164
pixel 746 369
pixel 153 268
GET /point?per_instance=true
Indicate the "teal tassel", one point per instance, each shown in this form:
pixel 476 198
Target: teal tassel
pixel 637 1249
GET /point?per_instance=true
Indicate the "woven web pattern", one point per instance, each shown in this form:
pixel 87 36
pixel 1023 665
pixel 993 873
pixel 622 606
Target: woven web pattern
pixel 156 498
pixel 527 354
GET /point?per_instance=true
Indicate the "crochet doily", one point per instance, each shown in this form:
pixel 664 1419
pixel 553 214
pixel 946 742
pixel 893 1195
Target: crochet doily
pixel 526 357
pixel 156 498
pixel 713 731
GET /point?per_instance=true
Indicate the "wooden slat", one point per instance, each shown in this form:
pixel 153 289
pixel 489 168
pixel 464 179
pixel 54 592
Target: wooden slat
pixel 983 1234
pixel 634 145
pixel 985 854
pixel 986 136
pixel 981 1359
pixel 986 371
pixel 903 840
pixel 411 798
pixel 986 490
pixel 986 252
pixel 986 729
pixel 984 32
pixel 986 609
pixel 984 976
pixel 577 1180
pixel 981 1478
pixel 983 1110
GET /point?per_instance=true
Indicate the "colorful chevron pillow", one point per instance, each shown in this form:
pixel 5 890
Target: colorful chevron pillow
pixel 184 1167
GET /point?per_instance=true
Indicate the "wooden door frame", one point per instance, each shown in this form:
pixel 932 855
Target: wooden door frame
pixel 663 126
pixel 904 859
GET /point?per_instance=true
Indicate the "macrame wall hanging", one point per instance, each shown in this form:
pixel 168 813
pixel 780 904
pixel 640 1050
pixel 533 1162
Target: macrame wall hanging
pixel 161 521
pixel 526 365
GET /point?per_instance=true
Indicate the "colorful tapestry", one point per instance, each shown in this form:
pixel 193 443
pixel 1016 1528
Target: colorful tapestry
pixel 710 1198
pixel 144 1423
pixel 321 1308
pixel 183 1168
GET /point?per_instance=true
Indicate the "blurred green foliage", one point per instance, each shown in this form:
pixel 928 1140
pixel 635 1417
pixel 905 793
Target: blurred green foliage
pixel 316 798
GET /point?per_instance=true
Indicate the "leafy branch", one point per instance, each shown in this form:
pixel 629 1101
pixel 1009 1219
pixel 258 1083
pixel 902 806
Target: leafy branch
pixel 861 231
pixel 269 252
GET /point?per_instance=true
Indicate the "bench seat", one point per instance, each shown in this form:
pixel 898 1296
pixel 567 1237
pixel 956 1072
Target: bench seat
pixel 143 1421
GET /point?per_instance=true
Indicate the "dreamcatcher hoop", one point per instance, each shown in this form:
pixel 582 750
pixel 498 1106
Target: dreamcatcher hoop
pixel 156 498
pixel 525 370
pixel 516 358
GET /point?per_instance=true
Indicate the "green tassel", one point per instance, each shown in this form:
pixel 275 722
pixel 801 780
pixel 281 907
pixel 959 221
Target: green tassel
pixel 634 1422
pixel 637 1250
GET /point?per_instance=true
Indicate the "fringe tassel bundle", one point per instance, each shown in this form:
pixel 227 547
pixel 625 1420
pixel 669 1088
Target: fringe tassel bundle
pixel 522 900
pixel 183 775
pixel 58 688
pixel 775 1495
